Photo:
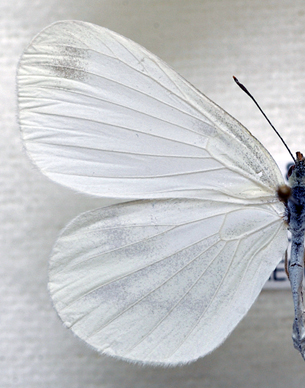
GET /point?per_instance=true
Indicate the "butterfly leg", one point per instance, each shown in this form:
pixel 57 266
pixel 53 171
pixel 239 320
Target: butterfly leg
pixel 287 264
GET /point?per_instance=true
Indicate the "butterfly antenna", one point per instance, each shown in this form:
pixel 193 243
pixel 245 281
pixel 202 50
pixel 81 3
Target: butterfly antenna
pixel 253 99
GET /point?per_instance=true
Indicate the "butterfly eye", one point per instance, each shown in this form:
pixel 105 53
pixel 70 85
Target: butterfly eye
pixel 291 168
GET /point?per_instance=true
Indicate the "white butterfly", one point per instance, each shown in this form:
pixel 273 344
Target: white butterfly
pixel 166 277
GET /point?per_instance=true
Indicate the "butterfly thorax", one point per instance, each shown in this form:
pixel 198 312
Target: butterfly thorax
pixel 295 207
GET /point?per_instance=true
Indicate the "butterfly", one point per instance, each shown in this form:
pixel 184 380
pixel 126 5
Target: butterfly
pixel 165 277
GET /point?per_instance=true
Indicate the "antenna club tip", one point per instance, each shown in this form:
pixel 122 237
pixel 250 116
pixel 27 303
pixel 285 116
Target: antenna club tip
pixel 242 86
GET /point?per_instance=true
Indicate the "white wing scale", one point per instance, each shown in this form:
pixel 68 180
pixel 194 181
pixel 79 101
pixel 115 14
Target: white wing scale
pixel 162 281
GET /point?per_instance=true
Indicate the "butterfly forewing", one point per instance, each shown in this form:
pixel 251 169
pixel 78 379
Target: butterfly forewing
pixel 102 115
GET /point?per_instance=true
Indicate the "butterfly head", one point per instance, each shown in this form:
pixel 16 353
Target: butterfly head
pixel 296 177
pixel 296 172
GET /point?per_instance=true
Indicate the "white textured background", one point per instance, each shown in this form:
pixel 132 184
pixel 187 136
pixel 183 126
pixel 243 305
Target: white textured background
pixel 263 43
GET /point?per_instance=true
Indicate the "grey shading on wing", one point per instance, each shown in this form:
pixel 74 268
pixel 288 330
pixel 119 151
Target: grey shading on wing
pixel 163 282
pixel 102 115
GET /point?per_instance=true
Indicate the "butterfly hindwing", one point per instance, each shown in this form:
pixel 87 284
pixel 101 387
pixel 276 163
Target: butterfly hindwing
pixel 163 281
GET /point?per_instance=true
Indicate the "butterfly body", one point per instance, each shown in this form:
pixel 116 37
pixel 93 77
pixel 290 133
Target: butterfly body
pixel 295 213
